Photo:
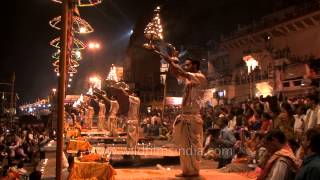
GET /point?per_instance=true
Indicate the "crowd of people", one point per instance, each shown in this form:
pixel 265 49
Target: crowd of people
pixel 276 137
pixel 20 146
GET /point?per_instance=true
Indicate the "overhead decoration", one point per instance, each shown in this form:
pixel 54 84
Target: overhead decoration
pixel 83 3
pixel 77 44
pixel 71 70
pixel 75 55
pixel 72 63
pixel 74 46
pixel 79 25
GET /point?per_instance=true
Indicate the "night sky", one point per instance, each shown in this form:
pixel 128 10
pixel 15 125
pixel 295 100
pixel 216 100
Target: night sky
pixel 26 33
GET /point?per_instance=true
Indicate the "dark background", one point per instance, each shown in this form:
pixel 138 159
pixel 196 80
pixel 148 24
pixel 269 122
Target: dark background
pixel 25 34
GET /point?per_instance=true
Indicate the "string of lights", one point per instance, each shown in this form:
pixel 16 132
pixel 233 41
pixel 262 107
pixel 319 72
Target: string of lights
pixel 76 55
pixel 83 3
pixel 79 26
pixel 77 44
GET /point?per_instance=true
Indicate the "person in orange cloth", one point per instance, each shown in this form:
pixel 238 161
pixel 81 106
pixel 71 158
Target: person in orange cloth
pixel 282 164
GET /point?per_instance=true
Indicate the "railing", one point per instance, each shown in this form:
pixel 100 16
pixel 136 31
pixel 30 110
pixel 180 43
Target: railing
pixel 239 79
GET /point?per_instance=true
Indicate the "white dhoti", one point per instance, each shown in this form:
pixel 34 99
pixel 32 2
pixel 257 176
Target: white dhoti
pixel 90 121
pixel 113 125
pixel 108 124
pixel 188 135
pixel 90 117
pixel 101 120
pixel 132 133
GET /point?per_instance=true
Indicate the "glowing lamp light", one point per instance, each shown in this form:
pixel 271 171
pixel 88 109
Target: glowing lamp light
pixel 93 45
pixel 113 74
pixel 263 89
pixel 251 63
pixel 78 54
pixel 82 30
pixel 90 91
pixel 75 104
pixel 95 82
pixel 81 98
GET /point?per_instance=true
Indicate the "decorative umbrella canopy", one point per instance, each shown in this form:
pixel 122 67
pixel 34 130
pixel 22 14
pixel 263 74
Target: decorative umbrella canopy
pixel 79 26
pixel 83 3
pixel 77 44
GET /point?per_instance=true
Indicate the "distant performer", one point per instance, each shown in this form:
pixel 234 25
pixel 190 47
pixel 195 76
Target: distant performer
pixel 133 120
pixel 101 115
pixel 112 124
pixel 187 128
pixel 89 117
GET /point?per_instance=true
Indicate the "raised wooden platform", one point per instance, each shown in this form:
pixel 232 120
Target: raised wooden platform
pixel 169 174
pixel 94 132
pixel 140 151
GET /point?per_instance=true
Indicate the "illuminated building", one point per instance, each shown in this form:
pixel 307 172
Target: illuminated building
pixel 283 43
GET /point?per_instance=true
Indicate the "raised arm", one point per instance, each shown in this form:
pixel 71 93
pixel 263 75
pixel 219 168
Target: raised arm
pixel 124 92
pixel 177 70
pixel 99 95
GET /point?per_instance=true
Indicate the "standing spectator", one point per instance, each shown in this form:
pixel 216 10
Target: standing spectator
pixel 313 113
pixel 299 119
pixel 310 169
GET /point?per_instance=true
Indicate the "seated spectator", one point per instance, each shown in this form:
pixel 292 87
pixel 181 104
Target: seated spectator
pixel 266 123
pixel 282 165
pixel 35 174
pixel 20 168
